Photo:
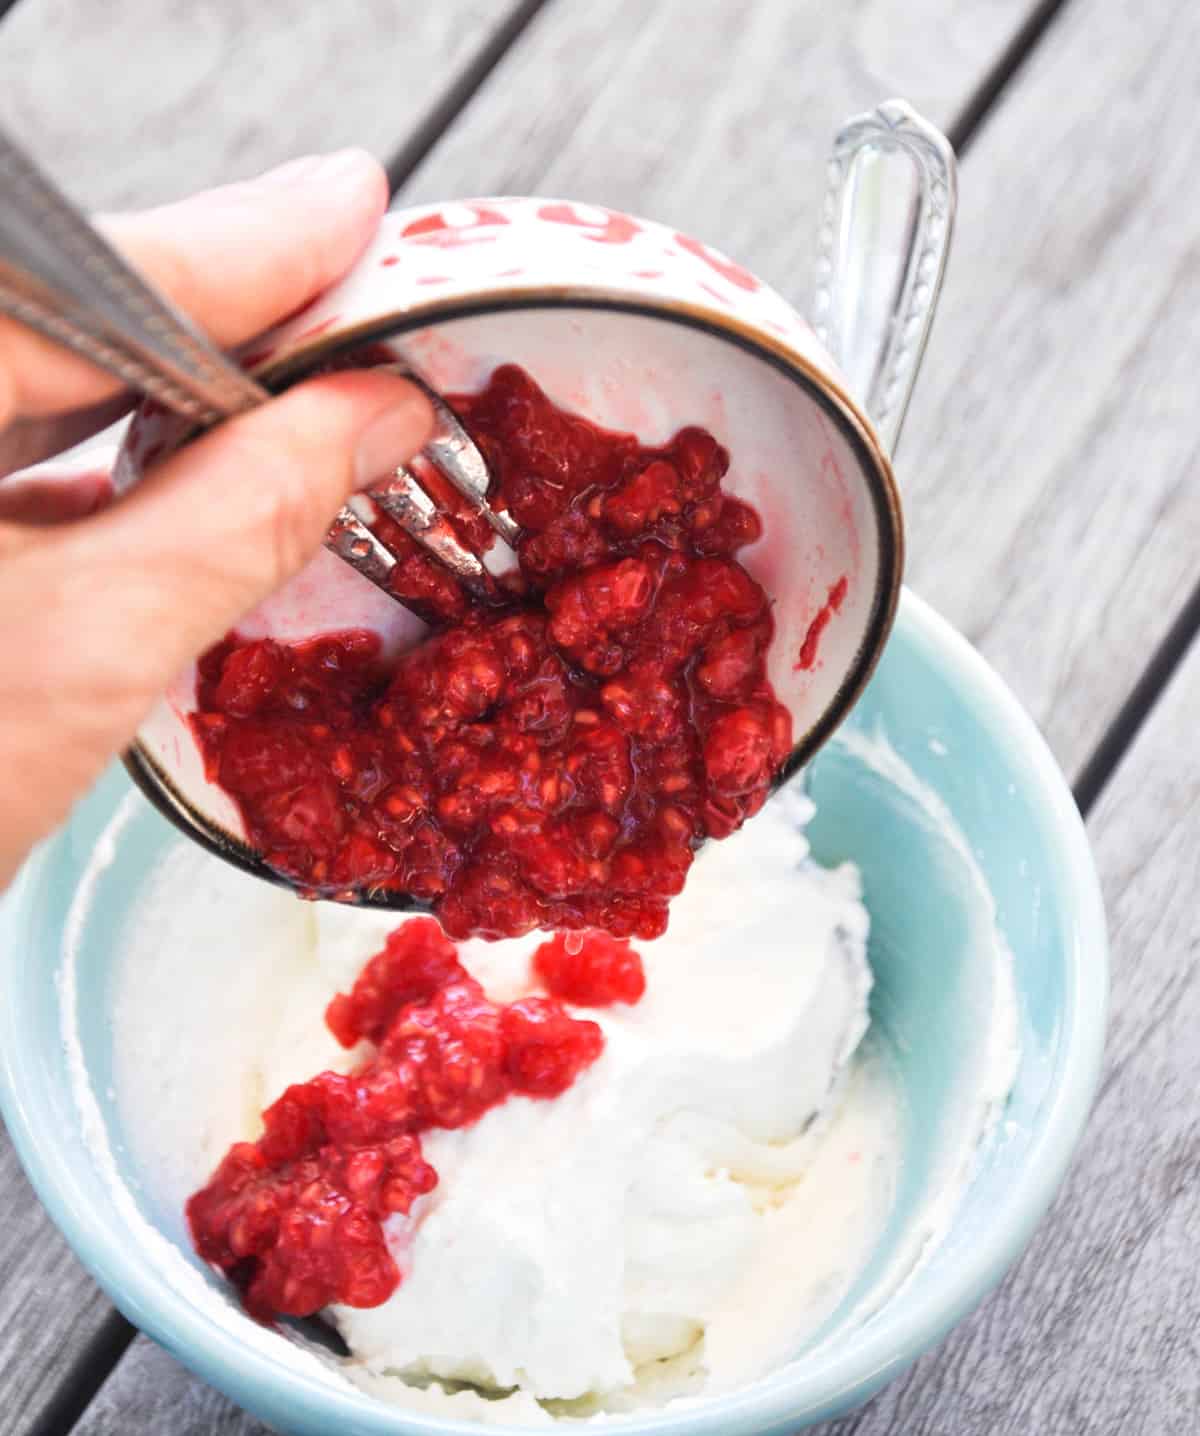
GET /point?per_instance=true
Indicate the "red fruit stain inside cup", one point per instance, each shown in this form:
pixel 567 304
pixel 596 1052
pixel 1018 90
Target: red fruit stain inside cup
pixel 810 648
pixel 553 762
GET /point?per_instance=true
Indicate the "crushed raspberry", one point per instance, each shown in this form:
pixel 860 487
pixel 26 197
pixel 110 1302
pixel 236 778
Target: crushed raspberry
pixel 590 969
pixel 546 1048
pixel 739 751
pixel 418 960
pixel 551 763
pixel 296 1219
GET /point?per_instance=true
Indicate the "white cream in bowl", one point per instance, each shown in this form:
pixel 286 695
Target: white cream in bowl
pixel 701 1205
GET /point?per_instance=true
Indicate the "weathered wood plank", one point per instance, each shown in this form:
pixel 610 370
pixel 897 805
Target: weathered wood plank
pixel 714 117
pixel 1056 456
pixel 135 102
pixel 49 1309
pixel 150 1394
pixel 1051 460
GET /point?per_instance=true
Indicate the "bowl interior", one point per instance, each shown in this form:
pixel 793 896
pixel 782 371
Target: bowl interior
pixel 795 456
pixel 947 717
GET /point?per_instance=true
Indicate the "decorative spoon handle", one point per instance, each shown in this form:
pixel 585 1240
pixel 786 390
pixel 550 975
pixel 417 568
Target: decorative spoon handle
pixel 876 289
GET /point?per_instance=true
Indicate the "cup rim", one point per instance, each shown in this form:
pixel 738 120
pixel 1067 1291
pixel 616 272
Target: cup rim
pixel 830 1383
pixel 820 384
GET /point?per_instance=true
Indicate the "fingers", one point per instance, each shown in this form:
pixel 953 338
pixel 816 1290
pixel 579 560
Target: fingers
pixel 41 501
pixel 97 618
pixel 243 257
pixel 236 259
pixel 31 441
pixel 221 524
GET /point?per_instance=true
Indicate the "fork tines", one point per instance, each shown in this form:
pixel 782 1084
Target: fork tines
pixel 454 455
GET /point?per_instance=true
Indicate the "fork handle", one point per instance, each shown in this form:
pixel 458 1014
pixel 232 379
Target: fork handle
pixel 58 275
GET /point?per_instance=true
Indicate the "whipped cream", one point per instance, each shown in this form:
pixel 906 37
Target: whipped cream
pixel 571 1241
pixel 692 1213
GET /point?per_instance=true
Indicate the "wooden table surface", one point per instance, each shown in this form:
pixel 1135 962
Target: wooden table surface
pixel 1051 468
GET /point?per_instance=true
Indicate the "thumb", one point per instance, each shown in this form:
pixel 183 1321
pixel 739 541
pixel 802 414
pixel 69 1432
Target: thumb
pixel 227 520
pixel 97 616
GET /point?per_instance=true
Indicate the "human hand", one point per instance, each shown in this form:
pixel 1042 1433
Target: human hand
pixel 102 603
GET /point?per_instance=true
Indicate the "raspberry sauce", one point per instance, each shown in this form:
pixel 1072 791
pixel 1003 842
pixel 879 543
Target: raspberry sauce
pixel 295 1219
pixel 590 969
pixel 552 762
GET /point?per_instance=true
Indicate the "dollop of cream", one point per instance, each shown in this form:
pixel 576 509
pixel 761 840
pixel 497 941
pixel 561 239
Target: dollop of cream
pixel 570 1242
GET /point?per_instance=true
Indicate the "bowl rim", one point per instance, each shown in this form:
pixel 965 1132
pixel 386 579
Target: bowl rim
pixel 794 363
pixel 831 1381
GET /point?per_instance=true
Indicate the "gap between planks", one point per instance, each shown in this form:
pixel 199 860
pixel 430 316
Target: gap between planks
pixel 459 93
pixel 1130 718
pixel 1003 72
pixel 86 1375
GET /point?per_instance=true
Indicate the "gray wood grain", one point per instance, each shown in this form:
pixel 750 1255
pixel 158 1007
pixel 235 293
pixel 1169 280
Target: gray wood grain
pixel 49 1309
pixel 1050 465
pixel 713 116
pixel 150 1394
pixel 133 102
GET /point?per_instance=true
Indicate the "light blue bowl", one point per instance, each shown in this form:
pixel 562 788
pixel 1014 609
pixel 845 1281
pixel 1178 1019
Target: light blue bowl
pixel 952 721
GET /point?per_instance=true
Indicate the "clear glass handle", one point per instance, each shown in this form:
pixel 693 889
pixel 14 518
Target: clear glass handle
pixel 885 233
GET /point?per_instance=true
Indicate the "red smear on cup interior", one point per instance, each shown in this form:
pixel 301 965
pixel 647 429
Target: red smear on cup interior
pixel 809 649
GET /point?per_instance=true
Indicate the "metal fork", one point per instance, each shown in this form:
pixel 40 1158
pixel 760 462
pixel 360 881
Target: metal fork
pixel 59 276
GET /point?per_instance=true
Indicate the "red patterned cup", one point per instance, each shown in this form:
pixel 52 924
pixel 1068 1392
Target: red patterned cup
pixel 642 328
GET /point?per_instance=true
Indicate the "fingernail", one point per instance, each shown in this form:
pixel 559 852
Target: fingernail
pixel 352 161
pixel 391 439
pixel 293 172
pixel 317 169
